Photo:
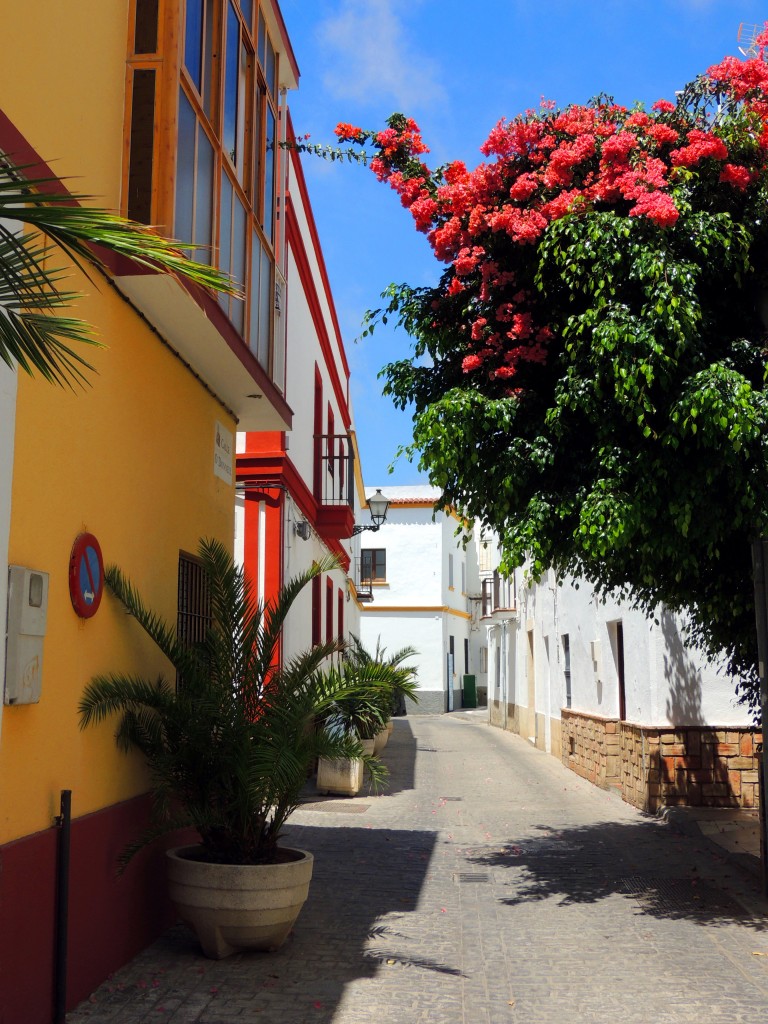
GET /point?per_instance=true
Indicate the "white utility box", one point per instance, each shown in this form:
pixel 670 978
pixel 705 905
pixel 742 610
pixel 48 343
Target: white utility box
pixel 27 614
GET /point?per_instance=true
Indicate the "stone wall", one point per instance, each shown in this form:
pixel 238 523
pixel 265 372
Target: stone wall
pixel 694 766
pixel 697 766
pixel 591 747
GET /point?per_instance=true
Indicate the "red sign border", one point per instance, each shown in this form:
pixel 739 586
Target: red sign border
pixel 83 609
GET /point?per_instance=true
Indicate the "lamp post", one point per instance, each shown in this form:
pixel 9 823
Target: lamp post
pixel 378 505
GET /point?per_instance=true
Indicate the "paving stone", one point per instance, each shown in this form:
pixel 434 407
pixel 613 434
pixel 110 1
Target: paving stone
pixel 488 886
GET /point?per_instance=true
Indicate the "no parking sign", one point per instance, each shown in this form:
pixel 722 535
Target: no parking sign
pixel 86 575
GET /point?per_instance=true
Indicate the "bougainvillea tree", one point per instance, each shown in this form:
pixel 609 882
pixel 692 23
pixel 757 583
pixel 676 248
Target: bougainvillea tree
pixel 590 372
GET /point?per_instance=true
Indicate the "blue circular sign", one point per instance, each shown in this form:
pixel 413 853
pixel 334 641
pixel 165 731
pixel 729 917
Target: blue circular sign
pixel 86 575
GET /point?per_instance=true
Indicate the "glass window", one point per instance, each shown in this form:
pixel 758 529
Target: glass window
pixel 231 81
pixel 145 27
pixel 270 68
pixel 239 234
pixel 203 197
pixel 268 204
pixel 242 112
pixel 185 171
pixel 265 308
pixel 373 564
pixel 193 42
pixel 227 160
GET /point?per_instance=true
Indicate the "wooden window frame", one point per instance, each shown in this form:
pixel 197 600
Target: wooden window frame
pixel 207 104
pixel 375 564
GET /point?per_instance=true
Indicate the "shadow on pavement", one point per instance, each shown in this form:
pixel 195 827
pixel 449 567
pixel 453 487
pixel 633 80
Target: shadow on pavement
pixel 586 864
pixel 361 876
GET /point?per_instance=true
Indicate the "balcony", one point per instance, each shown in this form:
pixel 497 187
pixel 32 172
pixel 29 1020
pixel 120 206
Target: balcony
pixel 363 585
pixel 334 485
pixel 498 596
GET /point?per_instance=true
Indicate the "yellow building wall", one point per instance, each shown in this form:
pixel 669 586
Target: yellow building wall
pixel 129 459
pixel 65 87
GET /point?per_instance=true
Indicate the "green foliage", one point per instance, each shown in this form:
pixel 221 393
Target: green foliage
pixel 229 748
pixel 639 460
pixel 398 679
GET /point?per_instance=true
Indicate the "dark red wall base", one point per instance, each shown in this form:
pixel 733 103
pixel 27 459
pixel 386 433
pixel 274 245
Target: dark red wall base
pixel 111 918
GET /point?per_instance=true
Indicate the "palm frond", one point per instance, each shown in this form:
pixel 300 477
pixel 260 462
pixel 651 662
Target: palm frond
pixel 233 744
pixel 109 695
pixel 29 285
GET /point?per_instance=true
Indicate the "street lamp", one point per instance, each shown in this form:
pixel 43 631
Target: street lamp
pixel 378 506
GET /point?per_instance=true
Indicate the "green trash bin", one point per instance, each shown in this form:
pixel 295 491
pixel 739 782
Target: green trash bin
pixel 468 692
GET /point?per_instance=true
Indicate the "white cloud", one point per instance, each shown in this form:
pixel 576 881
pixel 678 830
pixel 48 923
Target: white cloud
pixel 371 58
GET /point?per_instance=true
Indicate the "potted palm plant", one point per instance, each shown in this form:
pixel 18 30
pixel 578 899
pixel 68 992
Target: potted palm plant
pixel 362 709
pixel 402 677
pixel 229 748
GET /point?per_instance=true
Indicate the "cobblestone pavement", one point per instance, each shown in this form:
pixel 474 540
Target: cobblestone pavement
pixel 489 886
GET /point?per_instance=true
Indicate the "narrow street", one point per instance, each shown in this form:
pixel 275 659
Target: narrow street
pixel 488 886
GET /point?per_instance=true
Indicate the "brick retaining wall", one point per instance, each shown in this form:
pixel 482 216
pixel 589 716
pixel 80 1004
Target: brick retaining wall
pixel 694 765
pixel 591 747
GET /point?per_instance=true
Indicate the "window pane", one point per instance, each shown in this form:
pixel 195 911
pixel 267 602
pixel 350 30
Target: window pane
pixel 231 76
pixel 262 38
pixel 246 6
pixel 256 129
pixel 271 68
pixel 278 336
pixel 203 197
pixel 193 36
pixel 268 209
pixel 265 308
pixel 185 171
pixel 225 233
pixel 141 156
pixel 207 92
pixel 145 28
pixel 237 314
pixel 255 291
pixel 242 108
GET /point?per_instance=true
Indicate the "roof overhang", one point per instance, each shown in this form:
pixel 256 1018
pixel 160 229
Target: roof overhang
pixel 193 325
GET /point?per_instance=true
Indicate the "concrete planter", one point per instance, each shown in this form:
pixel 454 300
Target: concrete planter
pixel 344 776
pixel 380 740
pixel 233 907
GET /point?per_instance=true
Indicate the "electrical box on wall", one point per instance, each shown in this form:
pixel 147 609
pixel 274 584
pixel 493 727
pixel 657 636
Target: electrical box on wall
pixel 597 657
pixel 27 614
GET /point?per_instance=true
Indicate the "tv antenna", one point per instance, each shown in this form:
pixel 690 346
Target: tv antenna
pixel 747 36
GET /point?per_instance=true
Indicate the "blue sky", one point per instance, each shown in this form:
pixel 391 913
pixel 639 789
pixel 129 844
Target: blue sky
pixel 457 67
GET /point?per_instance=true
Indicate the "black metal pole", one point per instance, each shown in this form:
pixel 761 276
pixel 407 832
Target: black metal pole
pixel 759 565
pixel 63 823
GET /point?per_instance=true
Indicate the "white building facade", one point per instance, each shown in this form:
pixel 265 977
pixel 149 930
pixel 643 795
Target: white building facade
pixel 425 593
pixel 299 492
pixel 620 698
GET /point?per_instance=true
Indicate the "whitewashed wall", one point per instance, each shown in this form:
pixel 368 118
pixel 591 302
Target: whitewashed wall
pixel 417 605
pixel 666 683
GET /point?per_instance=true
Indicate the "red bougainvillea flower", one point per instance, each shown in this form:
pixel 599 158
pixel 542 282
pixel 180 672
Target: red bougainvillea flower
pixel 546 165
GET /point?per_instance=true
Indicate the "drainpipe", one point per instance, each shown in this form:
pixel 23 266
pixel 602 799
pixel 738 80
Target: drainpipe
pixel 63 823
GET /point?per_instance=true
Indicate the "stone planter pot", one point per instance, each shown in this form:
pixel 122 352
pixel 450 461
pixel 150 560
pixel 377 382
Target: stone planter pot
pixel 233 907
pixel 344 776
pixel 380 740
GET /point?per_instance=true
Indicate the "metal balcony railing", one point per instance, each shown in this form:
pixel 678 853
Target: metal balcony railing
pixel 498 594
pixel 334 470
pixel 363 582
